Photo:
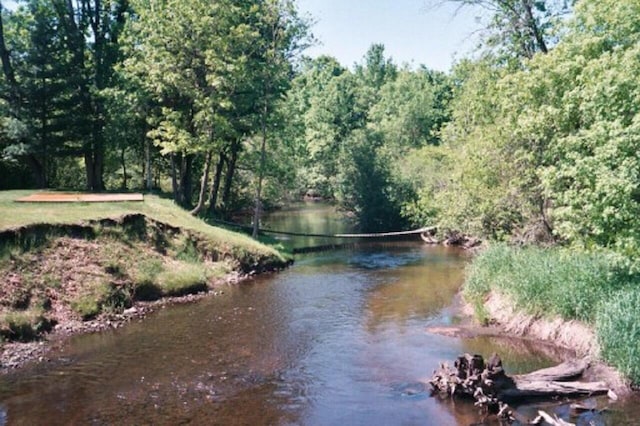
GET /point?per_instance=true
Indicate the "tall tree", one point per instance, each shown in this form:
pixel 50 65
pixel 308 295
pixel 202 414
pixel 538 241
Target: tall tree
pixel 92 31
pixel 282 35
pixel 176 53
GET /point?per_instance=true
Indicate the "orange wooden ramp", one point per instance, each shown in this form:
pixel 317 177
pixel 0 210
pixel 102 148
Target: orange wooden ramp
pixel 71 197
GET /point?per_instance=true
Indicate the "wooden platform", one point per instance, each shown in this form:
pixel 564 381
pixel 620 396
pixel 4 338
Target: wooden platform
pixel 70 197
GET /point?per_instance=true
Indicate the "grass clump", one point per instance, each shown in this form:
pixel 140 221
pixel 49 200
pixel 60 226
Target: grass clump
pixel 101 296
pixel 183 279
pixel 145 280
pixel 547 282
pixel 591 287
pixel 23 325
pixel 618 331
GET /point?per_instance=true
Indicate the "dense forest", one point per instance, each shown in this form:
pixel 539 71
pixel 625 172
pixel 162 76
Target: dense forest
pixel 534 138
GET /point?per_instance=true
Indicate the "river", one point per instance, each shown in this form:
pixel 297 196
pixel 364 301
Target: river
pixel 337 339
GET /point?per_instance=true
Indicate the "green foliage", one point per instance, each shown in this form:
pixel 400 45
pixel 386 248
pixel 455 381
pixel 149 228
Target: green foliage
pixel 547 148
pixel 618 330
pixel 356 130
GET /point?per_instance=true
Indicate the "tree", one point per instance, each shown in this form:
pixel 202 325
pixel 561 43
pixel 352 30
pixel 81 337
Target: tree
pixel 175 52
pixel 282 35
pixel 91 30
pixel 519 28
pixel 40 77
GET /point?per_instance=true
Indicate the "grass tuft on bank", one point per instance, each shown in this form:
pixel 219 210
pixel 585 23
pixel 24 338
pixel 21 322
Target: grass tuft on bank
pixel 589 287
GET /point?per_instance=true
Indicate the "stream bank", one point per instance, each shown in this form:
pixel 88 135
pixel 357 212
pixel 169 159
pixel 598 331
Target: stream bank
pixel 572 340
pixel 65 279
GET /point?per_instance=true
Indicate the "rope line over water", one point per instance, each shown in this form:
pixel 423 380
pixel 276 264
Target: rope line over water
pixel 427 229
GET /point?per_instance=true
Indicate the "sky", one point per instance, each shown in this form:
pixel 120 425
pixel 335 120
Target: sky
pixel 411 31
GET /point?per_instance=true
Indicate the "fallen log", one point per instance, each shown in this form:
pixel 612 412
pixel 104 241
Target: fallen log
pixel 492 389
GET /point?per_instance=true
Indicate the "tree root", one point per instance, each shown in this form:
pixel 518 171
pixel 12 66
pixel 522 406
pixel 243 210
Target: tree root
pixel 493 390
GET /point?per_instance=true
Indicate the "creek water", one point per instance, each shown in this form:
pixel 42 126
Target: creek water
pixel 337 339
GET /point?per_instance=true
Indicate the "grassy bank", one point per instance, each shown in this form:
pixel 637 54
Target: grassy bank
pixel 572 285
pixel 79 261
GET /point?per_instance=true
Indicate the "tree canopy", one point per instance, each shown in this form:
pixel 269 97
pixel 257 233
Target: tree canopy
pixel 534 139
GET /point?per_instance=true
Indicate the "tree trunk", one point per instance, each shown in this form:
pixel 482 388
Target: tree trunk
pixel 228 178
pixel 263 157
pixel 533 27
pixel 174 180
pixel 7 69
pixel 492 388
pixel 203 185
pixel 100 72
pixel 124 168
pixel 215 183
pixel 88 168
pixel 38 171
pixel 185 185
pixel 147 169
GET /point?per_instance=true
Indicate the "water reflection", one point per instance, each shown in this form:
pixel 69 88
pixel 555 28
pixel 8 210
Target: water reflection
pixel 311 218
pixel 417 291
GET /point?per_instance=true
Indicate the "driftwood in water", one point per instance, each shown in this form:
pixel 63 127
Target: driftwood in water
pixel 488 384
pixel 452 239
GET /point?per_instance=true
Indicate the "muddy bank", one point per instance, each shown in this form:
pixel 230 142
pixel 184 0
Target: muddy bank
pixel 61 280
pixel 568 340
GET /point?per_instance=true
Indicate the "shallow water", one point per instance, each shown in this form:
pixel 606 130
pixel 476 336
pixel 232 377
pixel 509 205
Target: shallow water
pixel 337 339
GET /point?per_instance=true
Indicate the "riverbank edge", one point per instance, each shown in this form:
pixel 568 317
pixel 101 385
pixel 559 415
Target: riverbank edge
pixel 501 319
pixel 246 264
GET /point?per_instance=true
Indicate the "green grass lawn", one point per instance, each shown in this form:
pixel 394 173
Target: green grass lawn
pixel 14 214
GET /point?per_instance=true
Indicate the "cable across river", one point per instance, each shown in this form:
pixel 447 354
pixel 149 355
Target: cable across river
pixel 302 234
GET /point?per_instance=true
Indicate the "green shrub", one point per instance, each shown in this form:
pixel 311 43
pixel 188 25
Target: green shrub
pixel 185 278
pixel 118 299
